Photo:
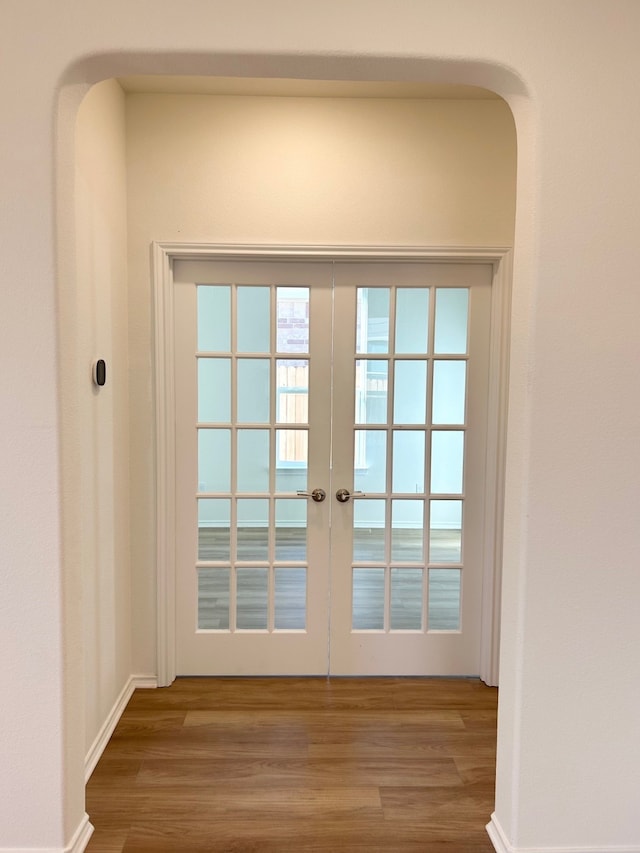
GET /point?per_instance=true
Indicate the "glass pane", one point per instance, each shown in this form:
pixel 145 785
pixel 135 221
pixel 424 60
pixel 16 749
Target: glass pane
pixel 293 319
pixel 291 529
pixel 407 531
pixel 292 389
pixel 445 532
pixel 406 600
pixel 371 392
pixel 253 460
pixel 292 447
pixel 412 319
pixel 372 323
pixel 408 461
pixel 214 460
pixel 253 529
pixel 213 599
pixel 214 523
pixel 253 390
pixel 254 310
pixel 252 599
pixel 290 599
pixel 452 308
pixel 214 318
pixel 368 600
pixel 370 460
pixel 368 531
pixel 449 388
pixel 214 390
pixel 410 393
pixel 447 455
pixel 444 599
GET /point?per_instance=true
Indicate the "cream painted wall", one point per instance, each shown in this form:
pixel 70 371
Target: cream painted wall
pixel 569 731
pixel 96 476
pixel 295 170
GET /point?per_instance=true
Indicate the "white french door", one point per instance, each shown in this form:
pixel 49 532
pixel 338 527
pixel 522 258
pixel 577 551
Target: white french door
pixel 331 427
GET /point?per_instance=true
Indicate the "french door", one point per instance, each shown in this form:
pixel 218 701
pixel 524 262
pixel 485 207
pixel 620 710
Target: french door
pixel 330 450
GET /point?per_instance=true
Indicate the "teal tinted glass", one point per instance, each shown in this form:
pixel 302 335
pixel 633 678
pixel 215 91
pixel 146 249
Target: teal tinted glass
pixel 214 318
pixel 254 319
pixel 412 319
pixel 214 390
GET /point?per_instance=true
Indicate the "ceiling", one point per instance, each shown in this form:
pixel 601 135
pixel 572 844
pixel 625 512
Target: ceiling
pixel 299 88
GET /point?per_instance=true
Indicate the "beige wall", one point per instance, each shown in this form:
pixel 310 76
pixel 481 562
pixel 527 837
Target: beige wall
pixel 569 731
pixel 296 170
pixel 96 476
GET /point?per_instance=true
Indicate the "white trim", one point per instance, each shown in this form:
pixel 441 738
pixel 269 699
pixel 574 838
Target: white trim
pixel 443 254
pixel 81 837
pixel 501 845
pixel 108 727
pixel 497 836
pixel 77 844
pixel 494 471
pixel 164 254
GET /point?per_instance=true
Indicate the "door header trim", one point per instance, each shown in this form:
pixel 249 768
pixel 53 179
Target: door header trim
pixel 285 252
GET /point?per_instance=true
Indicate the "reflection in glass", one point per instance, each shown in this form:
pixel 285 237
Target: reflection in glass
pixel 372 322
pixel 293 319
pixel 254 311
pixel 407 531
pixel 412 319
pixel 214 524
pixel 368 531
pixel 291 529
pixel 253 390
pixel 368 600
pixel 252 598
pixel 292 447
pixel 213 599
pixel 408 461
pixel 370 460
pixel 214 318
pixel 214 390
pixel 253 460
pixel 452 308
pixel 253 529
pixel 214 460
pixel 406 600
pixel 292 389
pixel 444 599
pixel 371 392
pixel 410 393
pixel 290 599
pixel 445 532
pixel 449 389
pixel 447 456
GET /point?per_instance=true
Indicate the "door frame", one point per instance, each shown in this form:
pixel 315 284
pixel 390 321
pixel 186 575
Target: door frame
pixel 163 257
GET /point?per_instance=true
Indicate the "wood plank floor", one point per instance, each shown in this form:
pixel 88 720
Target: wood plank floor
pixel 299 764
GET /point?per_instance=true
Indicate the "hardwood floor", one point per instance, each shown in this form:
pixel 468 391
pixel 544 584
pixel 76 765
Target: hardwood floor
pixel 299 764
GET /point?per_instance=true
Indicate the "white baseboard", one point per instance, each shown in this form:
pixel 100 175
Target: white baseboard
pixel 495 833
pixel 78 843
pixel 98 746
pixel 500 843
pixel 81 837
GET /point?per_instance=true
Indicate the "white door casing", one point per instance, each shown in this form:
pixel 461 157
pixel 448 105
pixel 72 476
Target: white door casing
pixel 498 261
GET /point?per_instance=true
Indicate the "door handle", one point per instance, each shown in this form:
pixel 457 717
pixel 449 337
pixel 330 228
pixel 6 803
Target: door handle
pixel 317 495
pixel 344 495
